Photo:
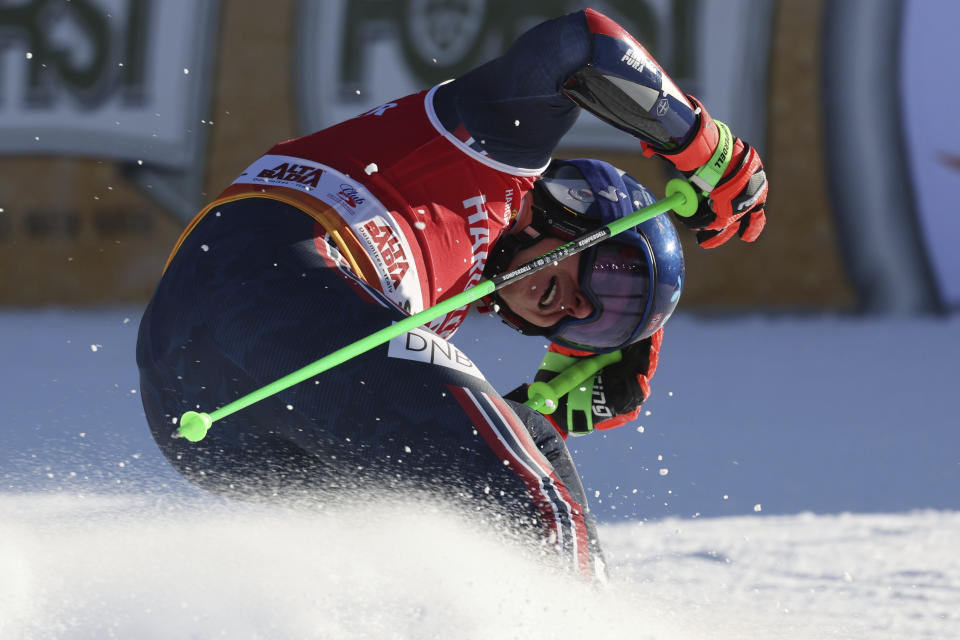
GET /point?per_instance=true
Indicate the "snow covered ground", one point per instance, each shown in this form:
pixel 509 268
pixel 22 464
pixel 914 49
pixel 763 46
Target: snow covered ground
pixel 795 477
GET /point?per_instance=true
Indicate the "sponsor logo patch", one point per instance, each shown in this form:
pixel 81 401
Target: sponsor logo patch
pixel 349 196
pixel 305 174
pixel 635 59
pixel 423 346
pixel 390 250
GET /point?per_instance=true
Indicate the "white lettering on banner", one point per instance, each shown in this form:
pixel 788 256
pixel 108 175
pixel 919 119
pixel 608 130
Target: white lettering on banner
pixel 369 220
pixel 479 230
pixel 424 346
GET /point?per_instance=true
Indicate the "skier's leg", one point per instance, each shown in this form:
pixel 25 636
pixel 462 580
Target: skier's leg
pixel 555 450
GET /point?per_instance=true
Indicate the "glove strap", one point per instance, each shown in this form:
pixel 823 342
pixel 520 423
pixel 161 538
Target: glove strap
pixel 580 408
pixel 709 175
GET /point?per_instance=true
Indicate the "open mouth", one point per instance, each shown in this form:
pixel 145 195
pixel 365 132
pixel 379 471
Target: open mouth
pixel 550 294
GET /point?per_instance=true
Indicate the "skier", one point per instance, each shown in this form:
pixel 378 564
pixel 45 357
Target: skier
pixel 332 236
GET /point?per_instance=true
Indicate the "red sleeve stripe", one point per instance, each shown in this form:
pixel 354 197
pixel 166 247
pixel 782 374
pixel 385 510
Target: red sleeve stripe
pixel 602 25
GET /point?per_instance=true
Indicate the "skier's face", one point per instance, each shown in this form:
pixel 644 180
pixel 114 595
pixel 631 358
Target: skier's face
pixel 550 295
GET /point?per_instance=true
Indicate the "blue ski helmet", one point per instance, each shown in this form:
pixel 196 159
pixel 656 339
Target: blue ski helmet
pixel 633 280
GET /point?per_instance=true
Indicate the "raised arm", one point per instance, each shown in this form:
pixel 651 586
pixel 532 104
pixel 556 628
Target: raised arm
pixel 523 102
pixel 514 106
pixel 517 108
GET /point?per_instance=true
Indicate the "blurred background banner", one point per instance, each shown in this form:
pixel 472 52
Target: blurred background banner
pixel 120 118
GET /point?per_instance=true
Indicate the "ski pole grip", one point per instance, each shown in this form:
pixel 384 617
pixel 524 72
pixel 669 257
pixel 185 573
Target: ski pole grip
pixel 545 396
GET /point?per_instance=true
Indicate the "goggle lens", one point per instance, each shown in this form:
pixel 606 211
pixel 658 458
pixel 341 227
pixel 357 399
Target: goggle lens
pixel 618 286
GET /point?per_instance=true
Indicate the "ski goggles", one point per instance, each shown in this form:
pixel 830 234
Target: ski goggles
pixel 615 278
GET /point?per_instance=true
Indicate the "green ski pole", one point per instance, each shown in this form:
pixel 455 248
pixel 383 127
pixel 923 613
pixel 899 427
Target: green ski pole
pixel 680 197
pixel 545 396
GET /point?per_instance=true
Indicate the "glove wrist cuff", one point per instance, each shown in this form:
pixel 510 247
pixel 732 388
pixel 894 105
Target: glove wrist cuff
pixel 709 175
pixel 701 147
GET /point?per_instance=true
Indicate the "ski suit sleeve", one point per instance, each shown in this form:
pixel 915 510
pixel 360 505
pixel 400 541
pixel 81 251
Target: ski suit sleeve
pixel 518 106
pixel 513 105
pixel 624 86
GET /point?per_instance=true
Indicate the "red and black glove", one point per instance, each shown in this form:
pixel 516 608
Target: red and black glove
pixel 610 398
pixel 736 192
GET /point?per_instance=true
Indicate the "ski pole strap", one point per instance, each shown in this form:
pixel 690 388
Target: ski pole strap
pixel 710 174
pixel 545 396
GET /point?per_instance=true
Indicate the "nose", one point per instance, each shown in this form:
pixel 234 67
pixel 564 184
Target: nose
pixel 580 307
